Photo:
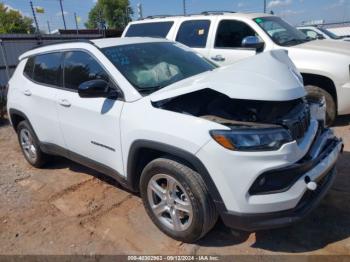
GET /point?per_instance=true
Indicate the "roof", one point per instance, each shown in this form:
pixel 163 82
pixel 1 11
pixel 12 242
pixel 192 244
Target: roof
pixel 106 42
pixel 100 43
pixel 202 16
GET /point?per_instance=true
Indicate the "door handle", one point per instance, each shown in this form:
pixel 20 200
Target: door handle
pixel 64 102
pixel 218 58
pixel 27 92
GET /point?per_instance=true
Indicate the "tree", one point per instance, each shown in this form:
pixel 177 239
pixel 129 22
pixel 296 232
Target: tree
pixel 13 22
pixel 115 13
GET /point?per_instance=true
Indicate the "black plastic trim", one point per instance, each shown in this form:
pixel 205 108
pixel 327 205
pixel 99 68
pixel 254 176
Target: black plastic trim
pixel 53 149
pixel 172 151
pixel 295 170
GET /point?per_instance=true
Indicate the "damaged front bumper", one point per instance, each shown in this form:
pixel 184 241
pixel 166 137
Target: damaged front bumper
pixel 313 176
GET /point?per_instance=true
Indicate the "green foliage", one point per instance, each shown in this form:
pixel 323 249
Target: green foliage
pixel 115 13
pixel 12 22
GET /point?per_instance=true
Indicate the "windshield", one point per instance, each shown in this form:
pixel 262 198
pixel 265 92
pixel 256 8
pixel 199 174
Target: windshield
pixel 281 32
pixel 329 33
pixel 152 66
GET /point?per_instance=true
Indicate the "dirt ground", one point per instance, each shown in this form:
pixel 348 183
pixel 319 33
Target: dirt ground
pixel 66 208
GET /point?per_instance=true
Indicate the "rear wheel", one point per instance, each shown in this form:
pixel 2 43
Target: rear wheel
pixel 315 94
pixel 30 145
pixel 177 200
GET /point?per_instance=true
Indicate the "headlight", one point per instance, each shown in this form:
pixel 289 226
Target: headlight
pixel 251 139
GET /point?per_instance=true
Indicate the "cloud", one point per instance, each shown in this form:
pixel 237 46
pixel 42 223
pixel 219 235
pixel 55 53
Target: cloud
pixel 279 3
pixel 338 3
pixel 13 9
pixel 291 12
pixel 60 13
pixel 240 4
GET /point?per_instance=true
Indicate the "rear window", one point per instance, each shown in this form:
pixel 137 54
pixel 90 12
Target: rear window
pixel 47 69
pixel 194 33
pixel 157 29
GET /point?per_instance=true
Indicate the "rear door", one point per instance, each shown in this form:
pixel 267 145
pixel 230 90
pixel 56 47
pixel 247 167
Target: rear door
pixel 90 126
pixel 227 45
pixel 38 90
pixel 194 33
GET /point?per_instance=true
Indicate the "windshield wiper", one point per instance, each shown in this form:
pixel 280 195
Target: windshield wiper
pixel 149 89
pixel 295 41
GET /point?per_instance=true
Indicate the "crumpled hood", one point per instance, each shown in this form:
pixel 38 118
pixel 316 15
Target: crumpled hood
pixel 270 76
pixel 340 47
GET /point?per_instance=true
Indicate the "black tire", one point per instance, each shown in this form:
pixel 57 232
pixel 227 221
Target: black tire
pixel 41 158
pixel 204 211
pixel 315 93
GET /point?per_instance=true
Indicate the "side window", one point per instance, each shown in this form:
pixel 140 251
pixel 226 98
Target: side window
pixel 157 29
pixel 47 69
pixel 194 33
pixel 80 67
pixel 29 67
pixel 231 33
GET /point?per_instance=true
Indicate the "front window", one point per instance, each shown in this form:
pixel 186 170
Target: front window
pixel 152 66
pixel 281 32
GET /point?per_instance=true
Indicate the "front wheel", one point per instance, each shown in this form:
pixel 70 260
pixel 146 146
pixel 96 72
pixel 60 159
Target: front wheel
pixel 177 200
pixel 315 94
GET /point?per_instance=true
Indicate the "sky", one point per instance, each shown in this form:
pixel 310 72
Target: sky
pixel 294 11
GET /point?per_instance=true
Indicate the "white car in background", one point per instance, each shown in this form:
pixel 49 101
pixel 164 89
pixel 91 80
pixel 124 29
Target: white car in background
pixel 197 141
pixel 226 38
pixel 316 32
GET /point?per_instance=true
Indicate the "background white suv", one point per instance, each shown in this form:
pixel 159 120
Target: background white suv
pixel 229 37
pixel 316 32
pixel 195 140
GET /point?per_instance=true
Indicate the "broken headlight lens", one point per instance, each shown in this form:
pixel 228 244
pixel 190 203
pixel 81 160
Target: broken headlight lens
pixel 252 139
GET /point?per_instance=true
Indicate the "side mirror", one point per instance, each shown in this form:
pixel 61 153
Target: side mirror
pixel 96 88
pixel 253 42
pixel 320 37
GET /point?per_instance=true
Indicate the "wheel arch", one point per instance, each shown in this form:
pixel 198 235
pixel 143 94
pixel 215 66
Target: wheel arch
pixel 144 151
pixel 16 117
pixel 323 82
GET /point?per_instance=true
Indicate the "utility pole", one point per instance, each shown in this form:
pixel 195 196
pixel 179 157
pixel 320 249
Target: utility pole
pixel 184 6
pixel 76 22
pixel 139 10
pixel 34 16
pixel 48 26
pixel 64 21
pixel 264 6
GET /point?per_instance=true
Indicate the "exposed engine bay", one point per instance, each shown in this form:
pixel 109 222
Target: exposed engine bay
pixel 293 115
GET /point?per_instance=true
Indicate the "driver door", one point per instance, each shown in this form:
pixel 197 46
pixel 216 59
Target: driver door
pixel 90 126
pixel 227 47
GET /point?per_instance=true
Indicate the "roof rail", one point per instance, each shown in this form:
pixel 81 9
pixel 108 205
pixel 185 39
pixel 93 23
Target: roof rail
pixel 216 12
pixel 64 42
pixel 158 16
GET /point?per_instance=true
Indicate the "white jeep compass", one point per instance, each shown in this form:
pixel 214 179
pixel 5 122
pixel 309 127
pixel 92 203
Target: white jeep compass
pixel 197 141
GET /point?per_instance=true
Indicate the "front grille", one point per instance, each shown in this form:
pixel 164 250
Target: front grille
pixel 297 121
pixel 300 127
